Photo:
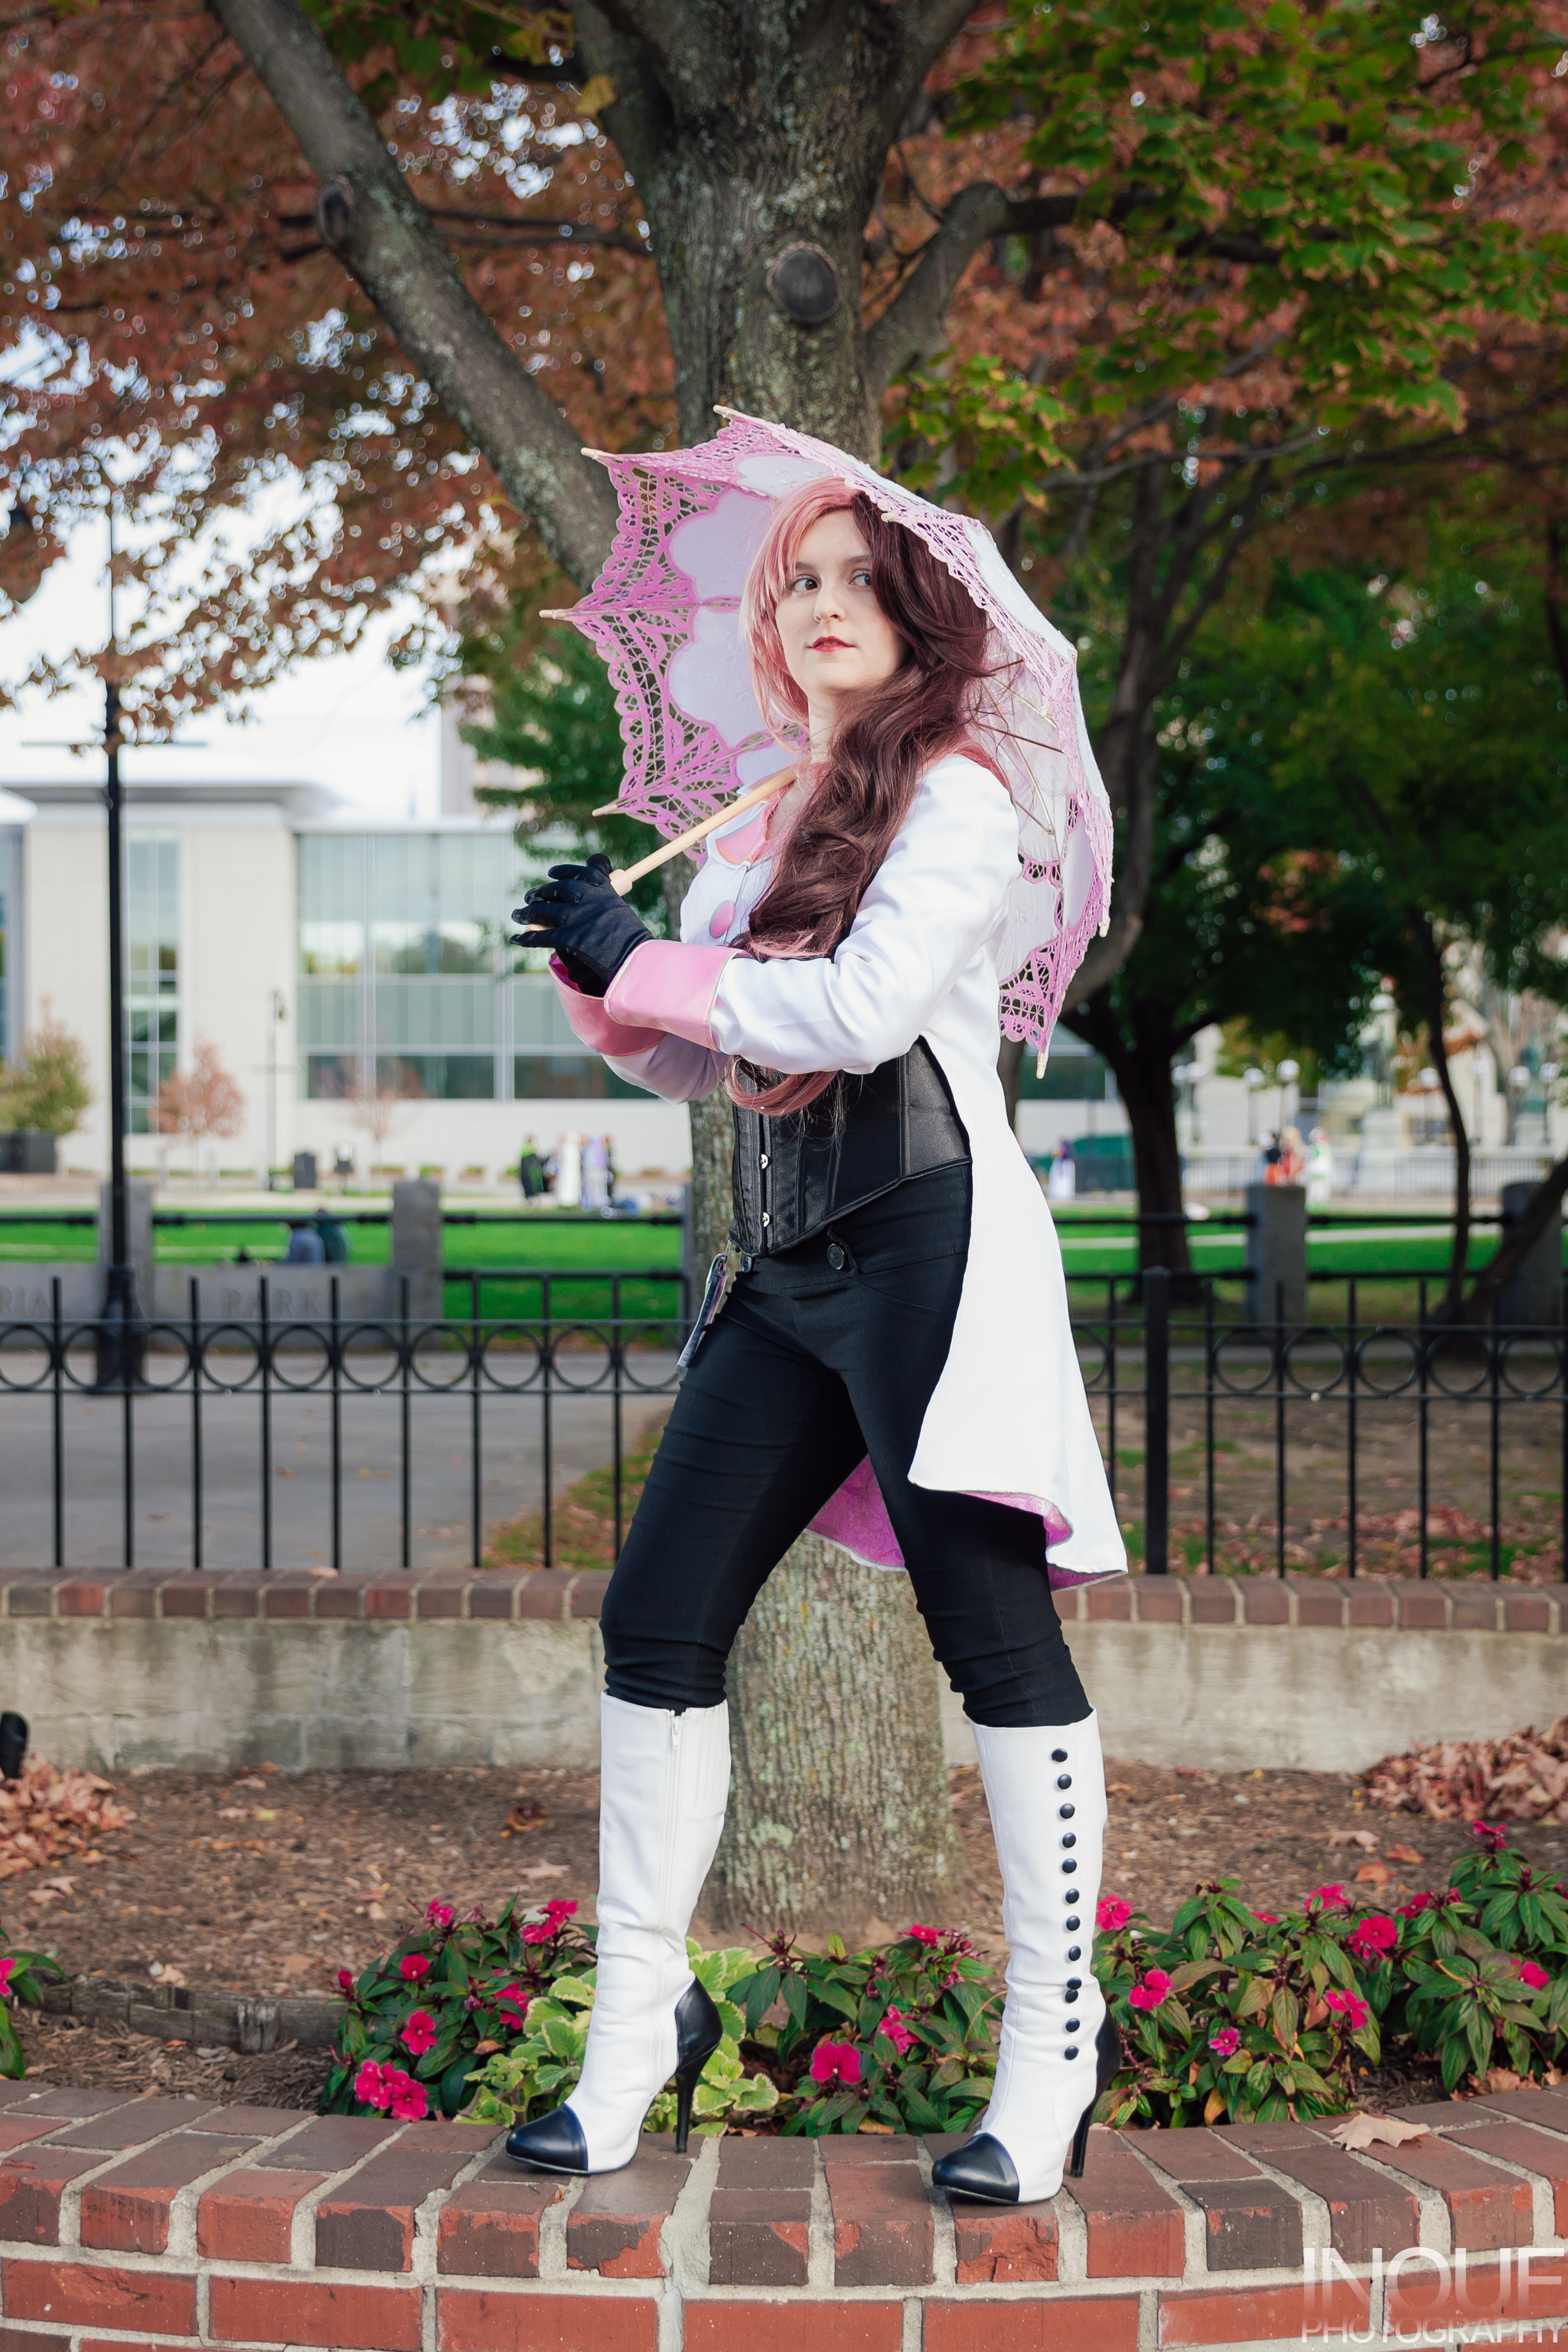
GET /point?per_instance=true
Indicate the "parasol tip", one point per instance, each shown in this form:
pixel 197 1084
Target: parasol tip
pixel 554 613
pixel 611 808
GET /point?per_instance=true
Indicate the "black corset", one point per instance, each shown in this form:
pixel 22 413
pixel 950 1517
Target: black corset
pixel 796 1173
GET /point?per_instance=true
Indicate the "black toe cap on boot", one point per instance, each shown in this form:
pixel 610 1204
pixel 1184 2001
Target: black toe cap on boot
pixel 981 2168
pixel 552 2143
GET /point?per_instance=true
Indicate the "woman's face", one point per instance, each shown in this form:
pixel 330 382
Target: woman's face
pixel 836 637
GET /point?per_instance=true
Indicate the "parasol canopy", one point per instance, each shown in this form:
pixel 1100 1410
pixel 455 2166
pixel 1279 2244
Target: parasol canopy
pixel 665 614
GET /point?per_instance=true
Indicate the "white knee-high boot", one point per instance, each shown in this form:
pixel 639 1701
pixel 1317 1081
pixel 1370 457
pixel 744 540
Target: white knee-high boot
pixel 1057 2049
pixel 664 1788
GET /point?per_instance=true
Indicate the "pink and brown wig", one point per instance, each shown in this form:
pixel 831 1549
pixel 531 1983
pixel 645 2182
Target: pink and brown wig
pixel 885 739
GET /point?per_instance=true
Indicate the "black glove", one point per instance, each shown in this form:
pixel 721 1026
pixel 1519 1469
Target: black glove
pixel 581 919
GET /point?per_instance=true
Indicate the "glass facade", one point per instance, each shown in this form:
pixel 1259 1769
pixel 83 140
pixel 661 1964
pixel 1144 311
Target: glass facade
pixel 404 972
pixel 152 971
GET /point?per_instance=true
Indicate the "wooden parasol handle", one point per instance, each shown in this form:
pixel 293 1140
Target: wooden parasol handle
pixel 622 878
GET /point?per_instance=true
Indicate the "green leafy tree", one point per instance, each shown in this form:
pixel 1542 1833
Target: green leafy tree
pixel 45 1091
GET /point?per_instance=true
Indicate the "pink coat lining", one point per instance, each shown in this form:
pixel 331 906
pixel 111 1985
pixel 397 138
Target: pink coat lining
pixel 593 1025
pixel 856 1517
pixel 670 984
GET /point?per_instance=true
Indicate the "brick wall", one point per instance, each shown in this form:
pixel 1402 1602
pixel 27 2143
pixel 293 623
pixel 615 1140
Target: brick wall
pixel 167 2223
pixel 209 1672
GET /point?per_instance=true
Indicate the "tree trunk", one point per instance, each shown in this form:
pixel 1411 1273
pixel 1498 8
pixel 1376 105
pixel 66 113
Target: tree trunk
pixel 1144 1080
pixel 838 1818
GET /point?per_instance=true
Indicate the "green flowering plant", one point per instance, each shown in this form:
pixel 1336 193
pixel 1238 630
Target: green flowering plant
pixel 426 2016
pixel 893 2038
pixel 1484 1963
pixel 541 2065
pixel 19 1981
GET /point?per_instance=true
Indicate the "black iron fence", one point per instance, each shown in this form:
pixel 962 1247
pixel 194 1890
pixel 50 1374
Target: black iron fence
pixel 1234 1438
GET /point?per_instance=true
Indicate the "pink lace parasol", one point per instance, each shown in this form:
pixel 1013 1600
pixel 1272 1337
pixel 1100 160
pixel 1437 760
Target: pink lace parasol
pixel 663 612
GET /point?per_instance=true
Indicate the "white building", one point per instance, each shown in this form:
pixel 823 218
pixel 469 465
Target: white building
pixel 309 948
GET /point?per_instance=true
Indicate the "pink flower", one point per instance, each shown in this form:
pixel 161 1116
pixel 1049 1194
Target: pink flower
pixel 1491 1837
pixel 546 1930
pixel 370 2085
pixel 1267 1918
pixel 440 1914
pixel 1111 1913
pixel 1372 1936
pixel 1151 1991
pixel 409 2103
pixel 414 1968
pixel 897 2032
pixel 1348 2005
pixel 346 1983
pixel 836 2062
pixel 557 1910
pixel 924 1935
pixel 1533 1974
pixel 418 2034
pixel 7 1966
pixel 1225 2043
pixel 1329 1898
pixel 514 2003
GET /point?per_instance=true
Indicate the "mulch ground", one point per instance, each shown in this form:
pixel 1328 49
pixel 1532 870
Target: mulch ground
pixel 270 1884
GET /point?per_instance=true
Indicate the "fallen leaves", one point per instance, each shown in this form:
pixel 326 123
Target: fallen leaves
pixel 1363 1838
pixel 1374 1873
pixel 1375 2131
pixel 1404 1853
pixel 523 1818
pixel 48 1816
pixel 1522 1777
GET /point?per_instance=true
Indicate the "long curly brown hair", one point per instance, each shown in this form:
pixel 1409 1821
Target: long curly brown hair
pixel 885 739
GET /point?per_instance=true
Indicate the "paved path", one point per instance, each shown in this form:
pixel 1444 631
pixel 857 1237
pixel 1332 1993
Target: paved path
pixel 440 1454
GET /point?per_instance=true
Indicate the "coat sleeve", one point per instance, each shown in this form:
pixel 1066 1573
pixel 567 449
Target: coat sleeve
pixel 938 896
pixel 649 1058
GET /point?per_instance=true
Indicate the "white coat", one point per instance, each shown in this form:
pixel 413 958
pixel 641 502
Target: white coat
pixel 1008 1418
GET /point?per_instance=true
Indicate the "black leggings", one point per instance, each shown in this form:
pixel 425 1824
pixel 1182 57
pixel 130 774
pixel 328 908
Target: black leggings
pixel 810 1367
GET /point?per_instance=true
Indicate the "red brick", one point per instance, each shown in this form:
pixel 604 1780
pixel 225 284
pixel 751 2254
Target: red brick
pixel 1158 1600
pixel 1422 2295
pixel 1251 2314
pixel 1370 1604
pixel 1250 2222
pixel 884 2228
pixel 490 2227
pixel 237 1596
pixel 1214 1601
pixel 132 1601
pixel 78 2294
pixel 587 1594
pixel 18 2133
pixel 28 2339
pixel 1265 1602
pixel 386 1599
pixel 1534 2151
pixel 1135 2225
pixel 1526 1612
pixel 759 2237
pixel 614 2226
pixel 440 1602
pixel 1485 2208
pixel 996 2245
pixel 256 2123
pixel 1189 2156
pixel 186 1596
pixel 1365 2209
pixel 67 2103
pixel 248 2216
pixel 1320 1604
pixel 493 1598
pixel 1110 1601
pixel 31 2186
pixel 1475 1609
pixel 80 1599
pixel 281 1599
pixel 308 2311
pixel 368 2223
pixel 328 2143
pixel 127 2209
pixel 480 2319
pixel 1423 1608
pixel 799 2328
pixel 99 2344
pixel 1536 2104
pixel 340 1600
pixel 36 1598
pixel 132 2126
pixel 545 1594
pixel 1106 2323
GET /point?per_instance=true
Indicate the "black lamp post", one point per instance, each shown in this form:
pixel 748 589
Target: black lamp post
pixel 122 1336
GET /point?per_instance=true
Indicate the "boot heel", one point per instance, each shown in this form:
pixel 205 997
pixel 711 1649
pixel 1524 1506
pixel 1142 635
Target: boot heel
pixel 1080 2147
pixel 685 2083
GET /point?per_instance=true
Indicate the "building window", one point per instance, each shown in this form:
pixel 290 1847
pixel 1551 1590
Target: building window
pixel 573 1076
pixel 152 971
pixel 1074 1076
pixel 433 1077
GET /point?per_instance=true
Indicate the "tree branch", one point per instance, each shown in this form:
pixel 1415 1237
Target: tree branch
pixel 1434 995
pixel 910 326
pixel 369 217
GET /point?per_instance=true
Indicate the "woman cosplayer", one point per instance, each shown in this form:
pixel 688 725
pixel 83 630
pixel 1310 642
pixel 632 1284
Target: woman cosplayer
pixel 894 1365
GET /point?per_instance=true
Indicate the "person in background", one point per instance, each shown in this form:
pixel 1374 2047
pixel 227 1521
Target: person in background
pixel 334 1240
pixel 1061 1185
pixel 569 1172
pixel 1273 1158
pixel 531 1170
pixel 305 1244
pixel 595 1174
pixel 1292 1156
pixel 1320 1170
